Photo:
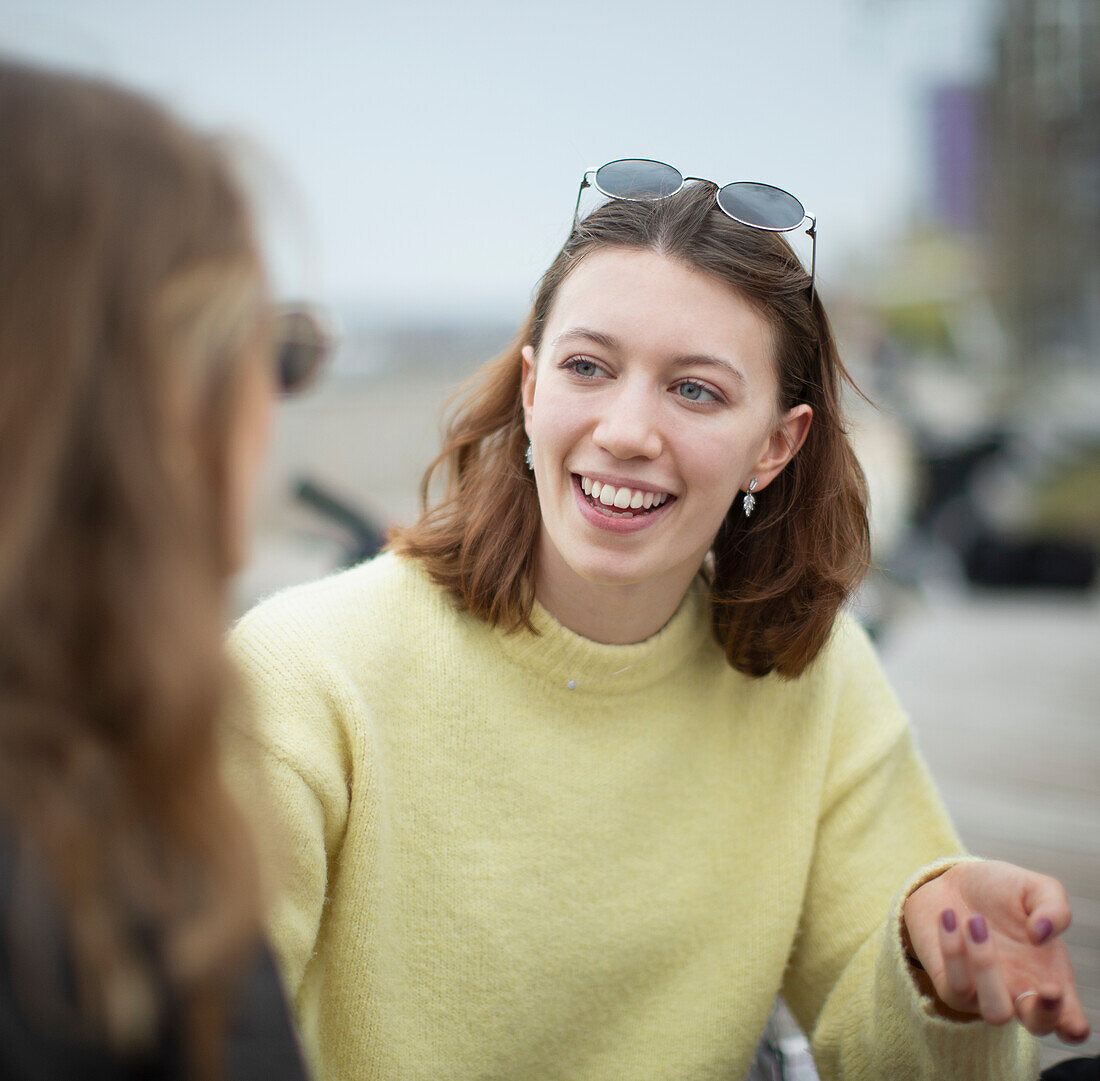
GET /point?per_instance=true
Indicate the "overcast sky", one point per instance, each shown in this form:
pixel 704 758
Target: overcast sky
pixel 434 149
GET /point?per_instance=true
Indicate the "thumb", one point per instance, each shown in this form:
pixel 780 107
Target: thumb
pixel 1047 907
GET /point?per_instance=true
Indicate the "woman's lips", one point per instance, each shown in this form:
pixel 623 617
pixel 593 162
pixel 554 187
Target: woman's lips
pixel 615 519
pixel 621 497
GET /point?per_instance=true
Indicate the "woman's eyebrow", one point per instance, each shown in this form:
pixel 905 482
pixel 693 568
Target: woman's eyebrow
pixel 709 360
pixel 598 337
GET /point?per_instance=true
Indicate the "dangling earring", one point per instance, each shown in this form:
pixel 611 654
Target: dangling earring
pixel 529 456
pixel 750 499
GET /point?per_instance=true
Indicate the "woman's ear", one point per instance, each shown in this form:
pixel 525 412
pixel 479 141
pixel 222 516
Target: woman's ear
pixel 784 443
pixel 527 385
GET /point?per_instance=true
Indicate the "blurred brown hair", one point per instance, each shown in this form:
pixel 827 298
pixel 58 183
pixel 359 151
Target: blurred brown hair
pixel 778 578
pixel 130 294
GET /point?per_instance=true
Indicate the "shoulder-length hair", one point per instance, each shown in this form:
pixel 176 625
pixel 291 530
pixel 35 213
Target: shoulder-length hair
pixel 131 293
pixel 776 579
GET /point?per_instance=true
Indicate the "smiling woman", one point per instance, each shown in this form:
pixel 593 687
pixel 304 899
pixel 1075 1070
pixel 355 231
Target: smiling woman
pixel 732 314
pixel 590 766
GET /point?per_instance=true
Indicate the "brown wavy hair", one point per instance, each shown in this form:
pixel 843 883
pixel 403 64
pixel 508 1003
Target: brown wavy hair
pixel 778 579
pixel 131 293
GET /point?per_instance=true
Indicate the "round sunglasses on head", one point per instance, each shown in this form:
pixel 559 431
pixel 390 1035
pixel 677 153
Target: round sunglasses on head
pixel 304 339
pixel 760 206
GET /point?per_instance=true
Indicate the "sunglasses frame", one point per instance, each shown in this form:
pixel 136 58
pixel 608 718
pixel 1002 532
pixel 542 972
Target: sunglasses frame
pixel 811 231
pixel 322 339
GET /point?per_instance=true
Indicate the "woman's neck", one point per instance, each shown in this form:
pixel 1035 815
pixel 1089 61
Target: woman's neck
pixel 613 613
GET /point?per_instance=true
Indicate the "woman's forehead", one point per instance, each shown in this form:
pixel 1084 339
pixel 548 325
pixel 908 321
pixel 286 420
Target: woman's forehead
pixel 643 300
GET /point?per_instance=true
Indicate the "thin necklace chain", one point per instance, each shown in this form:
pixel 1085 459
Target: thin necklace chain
pixel 572 684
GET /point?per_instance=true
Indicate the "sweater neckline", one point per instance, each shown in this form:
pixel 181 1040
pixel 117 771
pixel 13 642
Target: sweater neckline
pixel 558 655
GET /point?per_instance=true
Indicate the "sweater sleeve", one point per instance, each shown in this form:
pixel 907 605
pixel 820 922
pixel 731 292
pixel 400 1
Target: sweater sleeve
pixel 882 832
pixel 286 759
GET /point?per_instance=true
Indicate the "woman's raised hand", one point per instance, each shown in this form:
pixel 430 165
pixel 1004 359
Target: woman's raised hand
pixel 989 937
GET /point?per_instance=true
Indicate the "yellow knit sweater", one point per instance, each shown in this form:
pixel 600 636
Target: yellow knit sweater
pixel 485 874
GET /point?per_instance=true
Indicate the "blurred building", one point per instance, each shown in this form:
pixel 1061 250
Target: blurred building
pixel 959 123
pixel 987 310
pixel 1044 180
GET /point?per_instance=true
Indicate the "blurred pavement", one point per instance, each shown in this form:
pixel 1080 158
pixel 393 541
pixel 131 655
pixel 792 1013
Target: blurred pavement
pixel 1004 693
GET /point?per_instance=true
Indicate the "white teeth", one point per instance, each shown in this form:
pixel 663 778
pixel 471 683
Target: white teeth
pixel 622 498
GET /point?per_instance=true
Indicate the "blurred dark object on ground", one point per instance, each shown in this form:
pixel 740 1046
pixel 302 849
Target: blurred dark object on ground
pixel 1074 1069
pixel 993 560
pixel 990 553
pixel 365 539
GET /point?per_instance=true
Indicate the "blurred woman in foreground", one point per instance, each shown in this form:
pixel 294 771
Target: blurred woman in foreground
pixel 136 338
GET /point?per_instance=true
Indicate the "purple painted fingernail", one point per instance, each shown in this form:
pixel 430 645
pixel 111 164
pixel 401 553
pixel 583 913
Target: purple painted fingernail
pixel 1044 929
pixel 1050 1003
pixel 978 931
pixel 947 916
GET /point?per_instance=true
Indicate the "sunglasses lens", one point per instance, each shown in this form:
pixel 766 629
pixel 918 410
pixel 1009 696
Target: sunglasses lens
pixel 638 178
pixel 302 344
pixel 761 206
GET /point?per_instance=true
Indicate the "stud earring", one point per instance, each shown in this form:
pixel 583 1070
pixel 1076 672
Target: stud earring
pixel 529 456
pixel 750 499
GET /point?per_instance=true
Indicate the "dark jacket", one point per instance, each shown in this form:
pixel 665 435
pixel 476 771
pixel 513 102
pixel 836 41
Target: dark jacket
pixel 261 1044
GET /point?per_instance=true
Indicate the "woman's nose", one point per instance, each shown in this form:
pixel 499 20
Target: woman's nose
pixel 628 425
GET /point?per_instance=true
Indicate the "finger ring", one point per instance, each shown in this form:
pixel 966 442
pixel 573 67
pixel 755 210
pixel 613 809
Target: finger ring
pixel 1022 995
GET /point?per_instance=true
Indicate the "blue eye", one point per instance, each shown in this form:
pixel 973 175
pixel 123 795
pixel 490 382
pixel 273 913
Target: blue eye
pixel 582 366
pixel 695 392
